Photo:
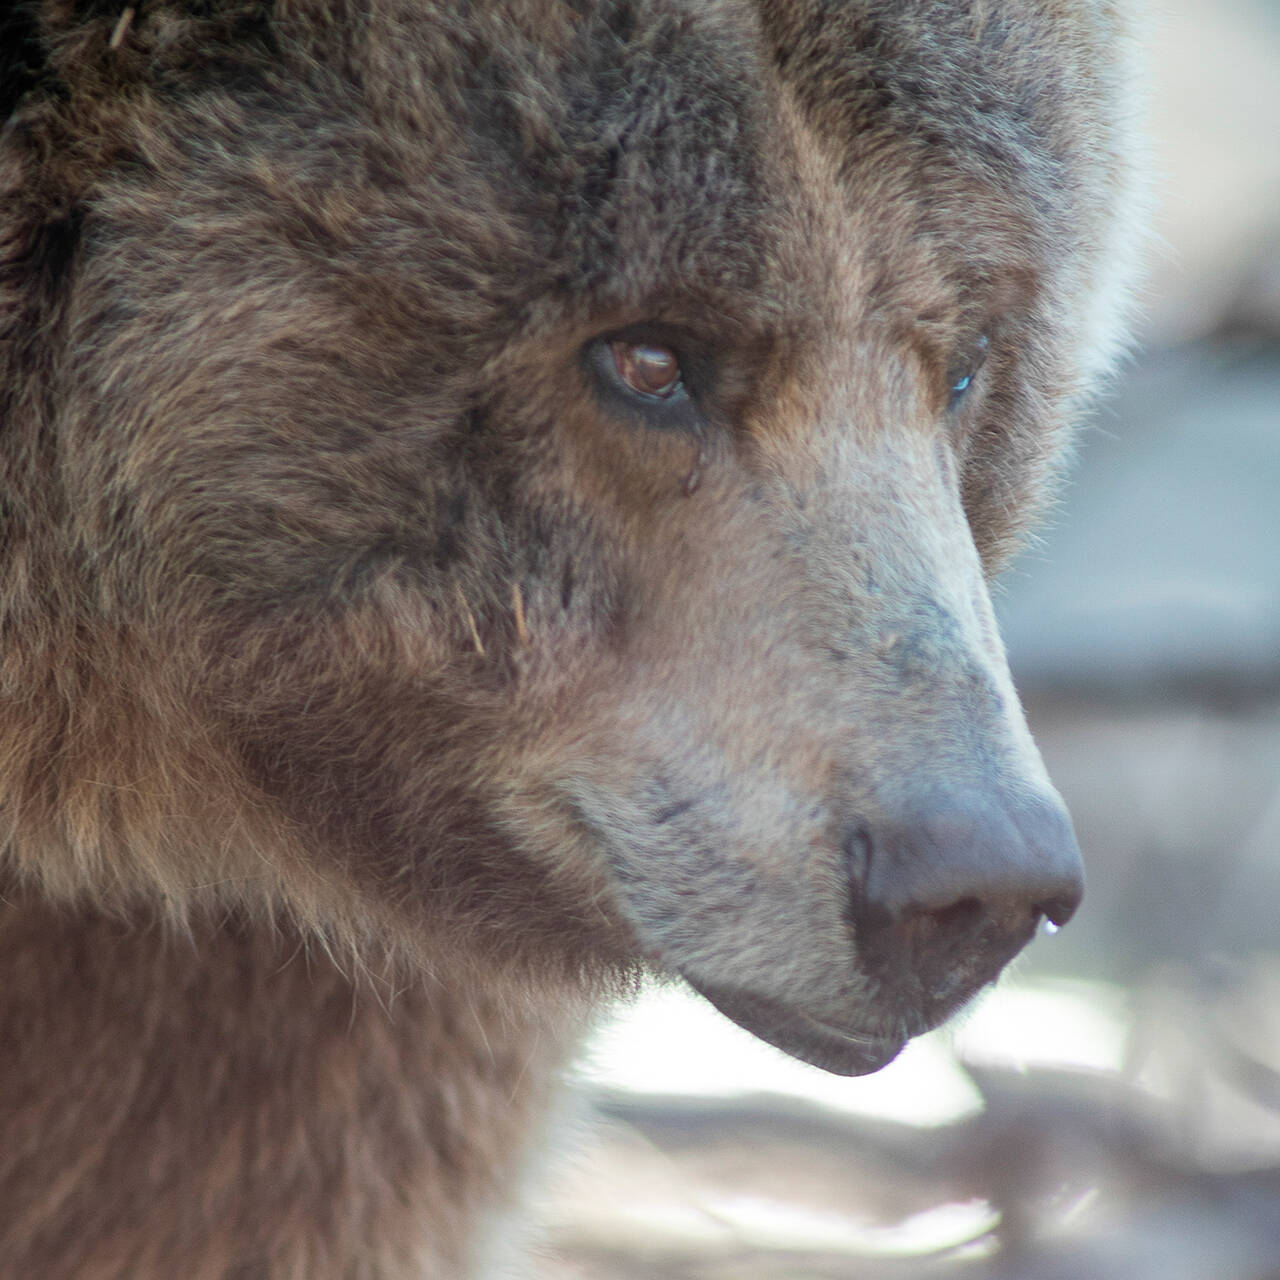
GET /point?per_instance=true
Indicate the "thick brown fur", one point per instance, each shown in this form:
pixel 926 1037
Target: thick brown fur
pixel 379 686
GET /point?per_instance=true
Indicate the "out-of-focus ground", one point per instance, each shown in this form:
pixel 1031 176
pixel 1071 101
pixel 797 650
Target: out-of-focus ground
pixel 1112 1112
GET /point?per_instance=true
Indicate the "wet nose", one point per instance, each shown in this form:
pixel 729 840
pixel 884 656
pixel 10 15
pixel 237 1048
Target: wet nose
pixel 945 894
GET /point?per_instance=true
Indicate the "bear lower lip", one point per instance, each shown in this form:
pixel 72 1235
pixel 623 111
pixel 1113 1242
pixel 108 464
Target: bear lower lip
pixel 802 1036
pixel 839 1052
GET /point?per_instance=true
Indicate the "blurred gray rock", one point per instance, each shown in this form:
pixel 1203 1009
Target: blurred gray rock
pixel 1162 572
pixel 1212 100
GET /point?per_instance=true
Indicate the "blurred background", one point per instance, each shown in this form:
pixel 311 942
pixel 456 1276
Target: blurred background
pixel 1112 1110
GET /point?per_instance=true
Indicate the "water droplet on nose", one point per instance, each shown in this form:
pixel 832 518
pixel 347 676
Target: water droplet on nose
pixel 1047 926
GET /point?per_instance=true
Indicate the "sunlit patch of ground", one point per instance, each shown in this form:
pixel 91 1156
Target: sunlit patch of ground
pixel 1046 1133
pixel 716 1146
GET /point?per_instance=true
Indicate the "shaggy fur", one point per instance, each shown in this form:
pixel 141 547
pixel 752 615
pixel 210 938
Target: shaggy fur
pixel 381 683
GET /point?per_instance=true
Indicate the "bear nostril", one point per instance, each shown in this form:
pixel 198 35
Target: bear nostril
pixel 957 886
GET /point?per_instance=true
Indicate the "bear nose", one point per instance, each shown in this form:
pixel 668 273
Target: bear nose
pixel 944 895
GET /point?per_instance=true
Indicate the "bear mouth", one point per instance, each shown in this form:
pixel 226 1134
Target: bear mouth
pixel 802 1036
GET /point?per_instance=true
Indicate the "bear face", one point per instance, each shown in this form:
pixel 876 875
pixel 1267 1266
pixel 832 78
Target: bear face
pixel 521 481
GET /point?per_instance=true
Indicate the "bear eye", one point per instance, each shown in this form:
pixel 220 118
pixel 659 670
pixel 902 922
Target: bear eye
pixel 647 368
pixel 961 375
pixel 651 375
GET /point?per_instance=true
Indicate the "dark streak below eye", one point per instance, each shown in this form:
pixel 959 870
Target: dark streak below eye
pixel 694 478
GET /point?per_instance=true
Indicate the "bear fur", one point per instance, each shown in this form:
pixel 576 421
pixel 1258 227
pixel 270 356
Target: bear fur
pixel 384 683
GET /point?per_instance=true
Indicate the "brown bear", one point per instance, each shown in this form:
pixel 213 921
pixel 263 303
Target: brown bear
pixel 498 497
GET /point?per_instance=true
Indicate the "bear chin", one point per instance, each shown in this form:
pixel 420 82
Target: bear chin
pixel 834 1049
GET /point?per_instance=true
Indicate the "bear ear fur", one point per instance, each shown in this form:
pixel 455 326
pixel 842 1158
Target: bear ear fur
pixel 64 67
pixel 23 59
pixel 56 49
pixel 53 50
pixel 48 50
pixel 40 226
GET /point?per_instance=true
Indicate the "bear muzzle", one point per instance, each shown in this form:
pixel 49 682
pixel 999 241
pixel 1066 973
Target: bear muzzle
pixel 940 899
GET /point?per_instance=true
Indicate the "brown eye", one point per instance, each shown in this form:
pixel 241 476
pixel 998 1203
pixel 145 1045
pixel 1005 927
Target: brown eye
pixel 651 370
